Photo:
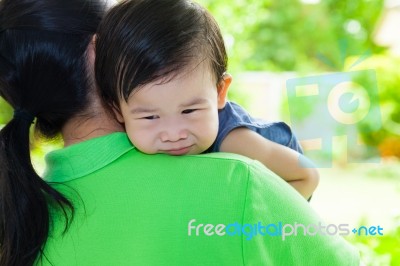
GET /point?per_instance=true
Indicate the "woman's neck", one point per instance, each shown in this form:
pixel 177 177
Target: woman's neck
pixel 87 126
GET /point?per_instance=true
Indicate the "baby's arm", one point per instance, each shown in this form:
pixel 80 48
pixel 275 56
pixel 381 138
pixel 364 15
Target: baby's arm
pixel 282 160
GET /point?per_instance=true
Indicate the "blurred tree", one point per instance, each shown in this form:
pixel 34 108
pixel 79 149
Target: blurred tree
pixel 387 136
pixel 289 35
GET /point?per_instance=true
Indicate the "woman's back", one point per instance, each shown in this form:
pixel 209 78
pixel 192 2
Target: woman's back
pixel 138 209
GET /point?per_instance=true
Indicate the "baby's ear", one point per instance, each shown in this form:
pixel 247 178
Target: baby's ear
pixel 222 88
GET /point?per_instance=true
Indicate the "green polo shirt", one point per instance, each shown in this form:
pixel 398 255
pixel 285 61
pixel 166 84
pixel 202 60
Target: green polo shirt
pixel 211 209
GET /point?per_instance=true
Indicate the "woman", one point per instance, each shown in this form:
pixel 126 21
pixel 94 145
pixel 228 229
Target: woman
pixel 43 75
pixel 104 202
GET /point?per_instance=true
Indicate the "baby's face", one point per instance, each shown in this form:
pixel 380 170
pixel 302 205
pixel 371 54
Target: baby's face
pixel 178 117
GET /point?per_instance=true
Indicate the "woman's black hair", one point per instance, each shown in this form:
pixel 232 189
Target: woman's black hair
pixel 43 74
pixel 141 41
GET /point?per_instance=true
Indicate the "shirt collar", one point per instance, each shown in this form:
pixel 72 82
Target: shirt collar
pixel 85 157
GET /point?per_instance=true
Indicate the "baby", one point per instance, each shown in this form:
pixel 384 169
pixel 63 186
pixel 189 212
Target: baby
pixel 162 68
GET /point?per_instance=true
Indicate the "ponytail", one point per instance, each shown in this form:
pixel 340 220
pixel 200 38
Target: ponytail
pixel 24 197
pixel 43 74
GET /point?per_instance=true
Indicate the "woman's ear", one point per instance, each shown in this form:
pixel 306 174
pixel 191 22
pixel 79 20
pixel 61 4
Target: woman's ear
pixel 222 89
pixel 117 114
pixel 91 54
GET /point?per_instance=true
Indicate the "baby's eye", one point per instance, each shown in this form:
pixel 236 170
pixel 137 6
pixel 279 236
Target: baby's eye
pixel 188 111
pixel 151 117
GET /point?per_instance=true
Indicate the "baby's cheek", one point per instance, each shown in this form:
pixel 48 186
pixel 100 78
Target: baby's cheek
pixel 138 135
pixel 210 132
pixel 143 142
pixel 213 125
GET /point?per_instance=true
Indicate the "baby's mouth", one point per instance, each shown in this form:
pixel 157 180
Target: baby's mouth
pixel 179 151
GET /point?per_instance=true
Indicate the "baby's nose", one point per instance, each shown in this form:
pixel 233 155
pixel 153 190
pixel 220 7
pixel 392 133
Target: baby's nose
pixel 174 134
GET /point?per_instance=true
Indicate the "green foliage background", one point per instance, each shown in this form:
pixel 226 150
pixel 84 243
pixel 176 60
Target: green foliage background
pixel 288 35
